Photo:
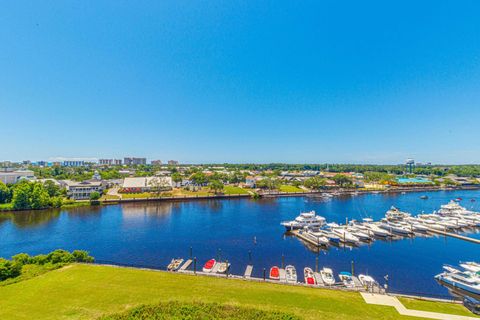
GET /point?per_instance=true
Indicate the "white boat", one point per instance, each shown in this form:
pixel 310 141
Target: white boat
pixel 464 281
pixel 375 229
pixel 345 236
pixel 347 279
pixel 309 276
pixel 174 265
pixel 395 228
pixel 450 269
pixel 471 266
pixel 291 274
pixel 395 214
pixel 305 219
pixel 366 281
pixel 223 267
pixel 327 276
pixel 359 234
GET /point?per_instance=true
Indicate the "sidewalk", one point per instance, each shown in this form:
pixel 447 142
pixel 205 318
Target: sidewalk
pixel 386 300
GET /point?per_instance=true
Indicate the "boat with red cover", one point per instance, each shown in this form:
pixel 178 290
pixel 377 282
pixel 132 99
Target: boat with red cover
pixel 309 277
pixel 208 266
pixel 274 273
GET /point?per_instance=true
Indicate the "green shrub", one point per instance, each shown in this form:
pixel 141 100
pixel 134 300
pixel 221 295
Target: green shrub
pixel 178 310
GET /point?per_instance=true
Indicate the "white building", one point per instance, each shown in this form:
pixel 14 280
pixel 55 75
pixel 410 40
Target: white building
pixel 146 184
pixel 11 177
pixel 82 190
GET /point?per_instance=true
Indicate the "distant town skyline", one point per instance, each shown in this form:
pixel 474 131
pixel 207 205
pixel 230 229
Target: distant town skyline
pixel 241 82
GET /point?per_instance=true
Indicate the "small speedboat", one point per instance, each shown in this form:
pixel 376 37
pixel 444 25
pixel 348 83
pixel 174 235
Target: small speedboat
pixel 174 264
pixel 450 269
pixel 291 274
pixel 223 267
pixel 366 281
pixel 424 197
pixel 471 266
pixel 309 276
pixel 208 266
pixel 347 279
pixel 327 276
pixel 274 273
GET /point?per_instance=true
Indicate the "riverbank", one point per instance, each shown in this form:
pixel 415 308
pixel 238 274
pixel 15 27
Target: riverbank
pixel 89 291
pixel 4 208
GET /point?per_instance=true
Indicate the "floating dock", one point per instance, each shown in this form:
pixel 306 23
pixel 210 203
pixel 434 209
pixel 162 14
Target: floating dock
pixel 186 265
pixel 248 271
pixel 454 235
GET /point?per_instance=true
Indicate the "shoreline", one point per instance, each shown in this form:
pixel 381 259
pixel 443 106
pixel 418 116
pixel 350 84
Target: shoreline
pixel 336 192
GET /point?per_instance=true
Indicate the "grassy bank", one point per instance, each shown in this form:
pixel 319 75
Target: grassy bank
pixel 424 305
pixel 288 188
pixel 234 190
pixel 91 291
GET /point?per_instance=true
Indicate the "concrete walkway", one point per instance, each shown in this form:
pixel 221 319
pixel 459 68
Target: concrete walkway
pixel 386 300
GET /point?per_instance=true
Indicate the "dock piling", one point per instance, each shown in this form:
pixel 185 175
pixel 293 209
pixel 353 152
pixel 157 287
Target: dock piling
pixel 264 274
pixel 195 265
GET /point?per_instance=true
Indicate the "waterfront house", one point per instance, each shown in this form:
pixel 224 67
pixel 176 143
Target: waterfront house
pixel 83 189
pixel 250 182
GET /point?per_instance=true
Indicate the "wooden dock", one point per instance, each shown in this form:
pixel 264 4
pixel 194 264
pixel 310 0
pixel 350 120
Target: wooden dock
pixel 306 238
pixel 248 271
pixel 186 265
pixel 454 235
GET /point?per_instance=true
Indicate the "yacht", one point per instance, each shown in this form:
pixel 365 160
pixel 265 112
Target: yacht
pixel 327 276
pixel 375 229
pixel 366 281
pixel 345 236
pixel 395 228
pixel 465 281
pixel 363 236
pixel 471 266
pixel 318 236
pixel 394 214
pixel 305 219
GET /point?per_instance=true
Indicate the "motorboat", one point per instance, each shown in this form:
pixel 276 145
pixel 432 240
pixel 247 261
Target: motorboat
pixel 175 264
pixel 347 279
pixel 309 276
pixel 394 214
pixel 471 266
pixel 291 274
pixel 375 229
pixel 462 280
pixel 450 269
pixel 345 236
pixel 305 219
pixel 366 281
pixel 318 236
pixel 208 266
pixel 223 267
pixel 274 273
pixel 327 276
pixel 424 197
pixel 395 228
pixel 363 236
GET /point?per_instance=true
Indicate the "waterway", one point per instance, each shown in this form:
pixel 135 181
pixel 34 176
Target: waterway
pixel 150 234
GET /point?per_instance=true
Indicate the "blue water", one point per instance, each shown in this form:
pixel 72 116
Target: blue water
pixel 150 234
pixel 413 180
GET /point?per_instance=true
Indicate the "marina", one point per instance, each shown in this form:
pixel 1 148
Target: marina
pixel 247 232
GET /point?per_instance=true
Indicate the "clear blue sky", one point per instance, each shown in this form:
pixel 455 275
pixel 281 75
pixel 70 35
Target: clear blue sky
pixel 246 81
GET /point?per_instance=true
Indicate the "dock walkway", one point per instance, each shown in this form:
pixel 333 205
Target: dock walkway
pixel 454 235
pixel 186 265
pixel 248 271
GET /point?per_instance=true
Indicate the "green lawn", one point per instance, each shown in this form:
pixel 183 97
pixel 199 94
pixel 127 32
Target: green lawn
pixel 141 195
pixel 90 291
pixel 234 190
pixel 424 305
pixel 288 188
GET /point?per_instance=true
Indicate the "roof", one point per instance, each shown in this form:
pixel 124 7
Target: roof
pixel 144 182
pixel 134 182
pixel 70 183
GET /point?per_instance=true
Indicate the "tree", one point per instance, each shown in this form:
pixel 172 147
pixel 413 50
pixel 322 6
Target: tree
pixel 52 189
pixel 199 178
pixel 176 177
pixel 39 198
pixel 4 193
pixel 315 183
pixel 9 269
pixel 216 185
pixel 21 195
pixel 342 180
pixel 95 195
pixel 82 256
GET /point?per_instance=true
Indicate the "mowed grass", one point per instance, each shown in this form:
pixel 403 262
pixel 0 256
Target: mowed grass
pixel 90 291
pixel 424 305
pixel 234 190
pixel 287 188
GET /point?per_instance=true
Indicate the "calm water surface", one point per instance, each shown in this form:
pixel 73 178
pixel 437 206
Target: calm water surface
pixel 150 234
